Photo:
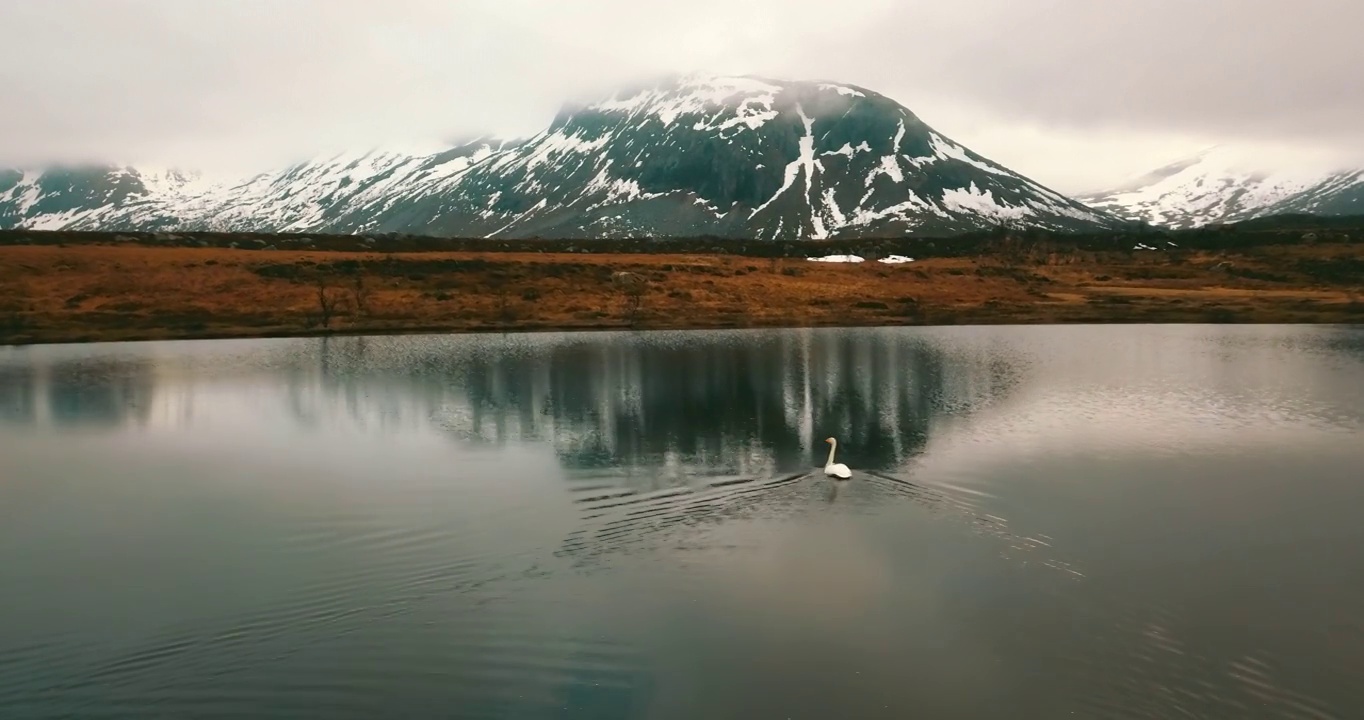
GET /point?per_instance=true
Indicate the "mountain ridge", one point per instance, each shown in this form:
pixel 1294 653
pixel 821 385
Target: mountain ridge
pixel 1216 186
pixel 728 156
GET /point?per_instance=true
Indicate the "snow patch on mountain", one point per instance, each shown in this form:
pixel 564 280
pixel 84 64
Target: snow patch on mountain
pixel 974 200
pixel 848 150
pixel 803 162
pixel 809 165
pixel 537 207
pixel 25 193
pixel 614 190
pixel 842 89
pixel 700 95
pixel 912 206
pixel 947 150
pixel 558 144
pixel 890 165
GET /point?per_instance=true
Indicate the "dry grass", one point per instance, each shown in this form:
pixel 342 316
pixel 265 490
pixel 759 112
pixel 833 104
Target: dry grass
pixel 56 294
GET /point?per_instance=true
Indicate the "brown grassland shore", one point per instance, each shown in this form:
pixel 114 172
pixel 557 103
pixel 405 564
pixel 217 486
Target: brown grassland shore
pixel 69 288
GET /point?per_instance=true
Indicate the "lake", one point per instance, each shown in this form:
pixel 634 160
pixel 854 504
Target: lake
pixel 1043 522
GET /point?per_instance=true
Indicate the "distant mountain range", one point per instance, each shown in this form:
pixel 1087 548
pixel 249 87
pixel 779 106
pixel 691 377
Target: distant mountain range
pixel 736 157
pixel 1215 186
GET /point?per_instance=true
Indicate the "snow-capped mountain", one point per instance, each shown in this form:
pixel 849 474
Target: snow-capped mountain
pixel 1218 186
pixel 738 157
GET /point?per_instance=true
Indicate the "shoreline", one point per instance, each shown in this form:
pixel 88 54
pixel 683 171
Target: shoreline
pixel 83 338
pixel 56 294
pixel 360 331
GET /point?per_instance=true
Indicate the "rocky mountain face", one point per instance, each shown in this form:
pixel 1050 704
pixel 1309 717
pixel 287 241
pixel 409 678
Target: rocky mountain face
pixel 1215 186
pixel 737 157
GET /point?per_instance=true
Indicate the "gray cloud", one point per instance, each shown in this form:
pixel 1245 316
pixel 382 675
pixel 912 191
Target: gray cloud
pixel 1071 92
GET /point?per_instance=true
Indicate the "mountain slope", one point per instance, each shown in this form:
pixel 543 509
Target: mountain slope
pixel 1214 186
pixel 736 157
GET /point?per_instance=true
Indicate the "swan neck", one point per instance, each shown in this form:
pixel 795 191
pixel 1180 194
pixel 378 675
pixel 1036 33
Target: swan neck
pixel 832 447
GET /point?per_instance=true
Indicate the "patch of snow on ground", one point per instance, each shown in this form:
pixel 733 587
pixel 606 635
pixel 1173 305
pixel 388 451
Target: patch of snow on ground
pixel 896 259
pixel 837 259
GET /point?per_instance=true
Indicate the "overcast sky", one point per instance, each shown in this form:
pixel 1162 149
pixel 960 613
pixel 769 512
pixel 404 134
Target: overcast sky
pixel 1074 93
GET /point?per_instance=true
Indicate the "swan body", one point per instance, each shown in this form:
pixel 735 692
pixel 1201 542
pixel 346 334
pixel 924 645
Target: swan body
pixel 833 469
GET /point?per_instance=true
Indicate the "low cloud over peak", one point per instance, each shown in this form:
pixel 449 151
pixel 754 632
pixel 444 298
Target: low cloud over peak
pixel 1032 83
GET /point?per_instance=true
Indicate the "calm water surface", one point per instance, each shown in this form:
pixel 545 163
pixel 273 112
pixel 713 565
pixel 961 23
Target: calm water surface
pixel 1087 522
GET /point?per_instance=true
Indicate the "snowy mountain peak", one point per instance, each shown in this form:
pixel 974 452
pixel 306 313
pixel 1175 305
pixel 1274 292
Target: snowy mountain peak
pixel 728 102
pixel 1222 184
pixel 729 156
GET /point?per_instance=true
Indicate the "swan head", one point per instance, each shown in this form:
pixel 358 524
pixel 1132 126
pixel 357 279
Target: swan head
pixel 830 440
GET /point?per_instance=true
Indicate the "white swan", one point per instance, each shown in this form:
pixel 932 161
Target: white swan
pixel 838 470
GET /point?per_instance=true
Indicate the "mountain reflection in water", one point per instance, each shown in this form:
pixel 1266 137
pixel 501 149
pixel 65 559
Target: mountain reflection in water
pixel 605 401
